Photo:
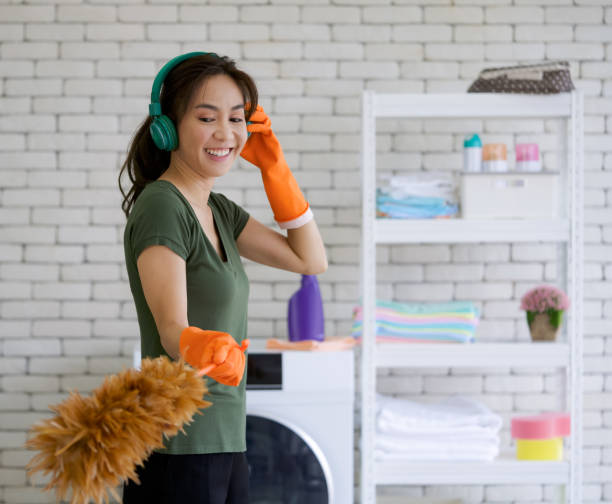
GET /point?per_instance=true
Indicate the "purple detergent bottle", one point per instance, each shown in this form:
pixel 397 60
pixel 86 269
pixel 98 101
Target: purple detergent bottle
pixel 305 312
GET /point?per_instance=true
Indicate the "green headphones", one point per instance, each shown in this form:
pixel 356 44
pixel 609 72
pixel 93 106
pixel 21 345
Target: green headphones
pixel 162 129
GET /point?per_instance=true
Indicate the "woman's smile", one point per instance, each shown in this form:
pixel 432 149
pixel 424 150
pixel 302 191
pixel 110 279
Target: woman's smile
pixel 219 154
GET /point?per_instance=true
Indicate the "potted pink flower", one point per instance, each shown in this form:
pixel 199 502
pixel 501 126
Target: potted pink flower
pixel 544 306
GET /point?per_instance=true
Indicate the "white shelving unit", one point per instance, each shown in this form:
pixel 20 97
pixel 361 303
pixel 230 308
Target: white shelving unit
pixel 565 231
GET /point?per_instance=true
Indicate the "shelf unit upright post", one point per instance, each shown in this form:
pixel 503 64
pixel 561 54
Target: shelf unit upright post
pixel 567 231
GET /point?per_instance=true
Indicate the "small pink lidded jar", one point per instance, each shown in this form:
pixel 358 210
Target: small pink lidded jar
pixel 528 157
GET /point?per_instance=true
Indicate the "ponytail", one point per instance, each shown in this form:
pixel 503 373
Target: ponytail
pixel 144 164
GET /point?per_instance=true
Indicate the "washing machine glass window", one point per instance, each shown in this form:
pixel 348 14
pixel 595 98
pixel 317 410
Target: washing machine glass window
pixel 285 466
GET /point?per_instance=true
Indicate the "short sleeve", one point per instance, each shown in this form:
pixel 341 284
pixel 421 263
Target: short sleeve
pixel 159 218
pixel 236 215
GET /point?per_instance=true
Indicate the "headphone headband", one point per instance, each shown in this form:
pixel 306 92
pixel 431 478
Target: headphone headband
pixel 155 106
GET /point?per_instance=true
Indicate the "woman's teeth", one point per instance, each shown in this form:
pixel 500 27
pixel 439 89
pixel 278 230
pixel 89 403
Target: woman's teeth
pixel 218 152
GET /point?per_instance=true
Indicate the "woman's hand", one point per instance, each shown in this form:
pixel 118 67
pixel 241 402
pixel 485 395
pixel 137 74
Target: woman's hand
pixel 291 210
pixel 215 353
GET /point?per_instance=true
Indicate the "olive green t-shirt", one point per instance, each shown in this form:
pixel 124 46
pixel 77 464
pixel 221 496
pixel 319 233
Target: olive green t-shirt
pixel 217 295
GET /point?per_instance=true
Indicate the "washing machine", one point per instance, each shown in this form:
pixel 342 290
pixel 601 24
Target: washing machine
pixel 300 426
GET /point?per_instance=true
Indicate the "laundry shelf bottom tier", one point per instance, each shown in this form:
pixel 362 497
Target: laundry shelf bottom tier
pixel 497 472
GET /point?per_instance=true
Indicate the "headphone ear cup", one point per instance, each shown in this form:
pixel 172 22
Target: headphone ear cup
pixel 163 133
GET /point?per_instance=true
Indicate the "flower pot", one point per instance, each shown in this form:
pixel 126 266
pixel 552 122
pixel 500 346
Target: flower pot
pixel 544 326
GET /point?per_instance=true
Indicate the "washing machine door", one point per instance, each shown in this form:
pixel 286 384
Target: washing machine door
pixel 285 465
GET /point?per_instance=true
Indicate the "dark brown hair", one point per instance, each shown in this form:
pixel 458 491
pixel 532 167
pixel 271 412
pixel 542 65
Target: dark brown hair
pixel 145 162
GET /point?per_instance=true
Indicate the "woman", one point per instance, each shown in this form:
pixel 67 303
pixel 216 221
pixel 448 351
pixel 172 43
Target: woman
pixel 183 244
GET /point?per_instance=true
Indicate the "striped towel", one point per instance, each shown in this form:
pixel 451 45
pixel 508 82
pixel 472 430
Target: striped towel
pixel 453 322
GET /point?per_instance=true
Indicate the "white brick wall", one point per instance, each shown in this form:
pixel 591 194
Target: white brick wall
pixel 74 83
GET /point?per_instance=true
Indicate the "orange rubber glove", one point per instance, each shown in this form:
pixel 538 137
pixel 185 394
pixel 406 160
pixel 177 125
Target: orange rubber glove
pixel 291 210
pixel 215 353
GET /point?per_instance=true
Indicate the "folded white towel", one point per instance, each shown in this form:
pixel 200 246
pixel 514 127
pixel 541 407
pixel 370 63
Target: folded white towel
pixel 389 443
pixel 393 427
pixel 395 447
pixel 473 434
pixel 444 417
pixel 487 455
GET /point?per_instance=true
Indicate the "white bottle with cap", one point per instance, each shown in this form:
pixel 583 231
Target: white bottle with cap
pixel 472 154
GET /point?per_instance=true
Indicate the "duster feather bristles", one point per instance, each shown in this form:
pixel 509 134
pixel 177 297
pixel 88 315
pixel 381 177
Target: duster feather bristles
pixel 93 444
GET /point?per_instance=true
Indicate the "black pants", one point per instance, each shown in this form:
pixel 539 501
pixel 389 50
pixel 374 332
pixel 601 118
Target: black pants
pixel 215 478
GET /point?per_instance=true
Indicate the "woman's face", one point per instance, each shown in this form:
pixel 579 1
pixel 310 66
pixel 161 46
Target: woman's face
pixel 213 131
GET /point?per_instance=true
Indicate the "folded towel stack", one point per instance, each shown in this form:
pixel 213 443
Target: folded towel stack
pixel 418 196
pixel 453 322
pixel 457 428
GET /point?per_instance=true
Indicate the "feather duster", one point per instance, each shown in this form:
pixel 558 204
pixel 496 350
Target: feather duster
pixel 93 444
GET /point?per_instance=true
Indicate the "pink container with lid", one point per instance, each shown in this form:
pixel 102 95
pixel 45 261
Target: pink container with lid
pixel 544 426
pixel 528 157
pixel 527 152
